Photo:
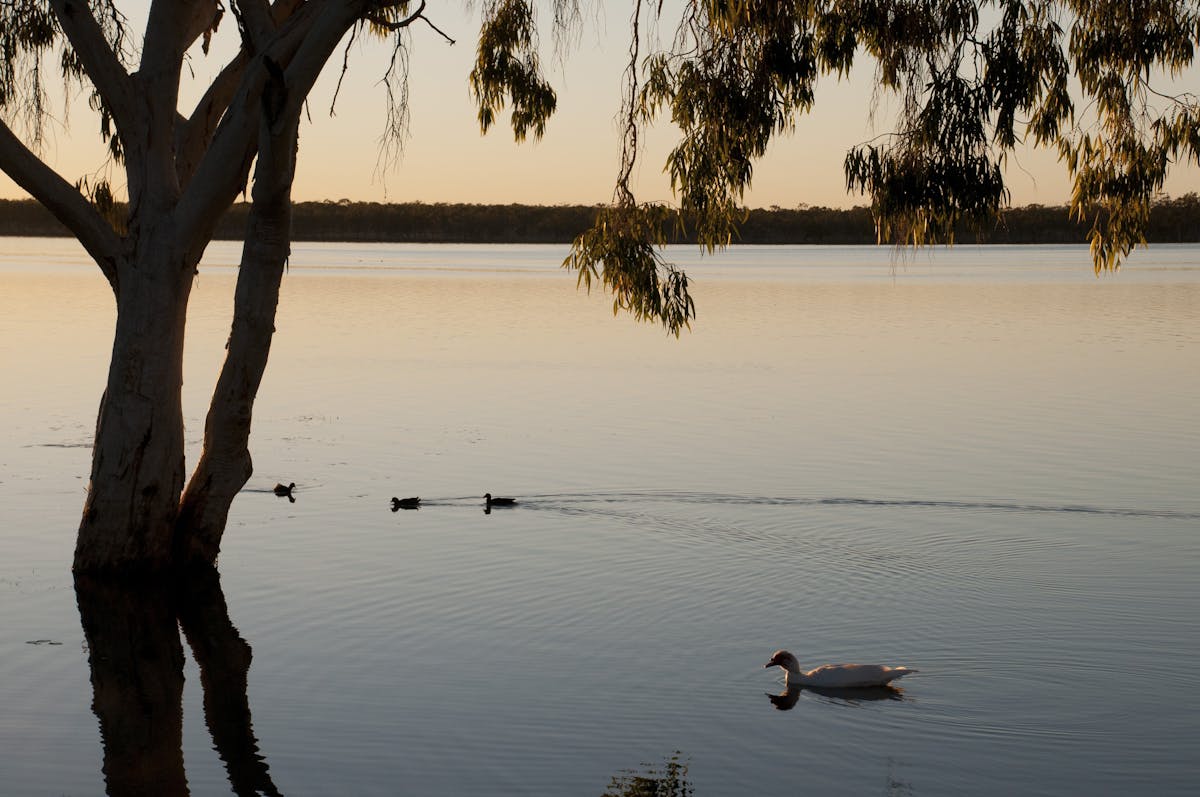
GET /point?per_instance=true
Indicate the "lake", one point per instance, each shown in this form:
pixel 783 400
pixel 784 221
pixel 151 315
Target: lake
pixel 979 462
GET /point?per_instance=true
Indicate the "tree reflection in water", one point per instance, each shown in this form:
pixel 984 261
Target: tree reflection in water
pixel 669 780
pixel 136 661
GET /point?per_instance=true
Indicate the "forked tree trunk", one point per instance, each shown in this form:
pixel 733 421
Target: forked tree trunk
pixel 225 464
pixel 137 515
pixel 138 457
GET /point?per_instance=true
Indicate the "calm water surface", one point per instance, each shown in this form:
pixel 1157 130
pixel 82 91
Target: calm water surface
pixel 982 463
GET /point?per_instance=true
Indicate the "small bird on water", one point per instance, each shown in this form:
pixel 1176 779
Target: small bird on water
pixel 405 503
pixel 837 676
pixel 491 502
pixel 286 492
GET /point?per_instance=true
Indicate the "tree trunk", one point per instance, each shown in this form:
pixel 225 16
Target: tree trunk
pixel 137 515
pixel 225 464
pixel 138 458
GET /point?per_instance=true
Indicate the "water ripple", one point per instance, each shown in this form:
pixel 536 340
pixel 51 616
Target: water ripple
pixel 551 501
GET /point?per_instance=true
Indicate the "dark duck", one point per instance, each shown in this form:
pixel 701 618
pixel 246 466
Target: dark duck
pixel 490 502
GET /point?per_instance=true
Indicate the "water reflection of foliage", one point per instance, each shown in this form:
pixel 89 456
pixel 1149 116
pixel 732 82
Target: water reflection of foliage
pixel 136 660
pixel 669 780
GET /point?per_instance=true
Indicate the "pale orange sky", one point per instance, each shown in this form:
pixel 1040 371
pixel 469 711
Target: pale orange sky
pixel 447 160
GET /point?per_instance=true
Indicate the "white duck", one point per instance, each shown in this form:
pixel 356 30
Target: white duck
pixel 835 676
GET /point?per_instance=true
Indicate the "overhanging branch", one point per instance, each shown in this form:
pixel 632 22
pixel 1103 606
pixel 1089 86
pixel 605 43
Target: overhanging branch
pixel 389 25
pixel 60 198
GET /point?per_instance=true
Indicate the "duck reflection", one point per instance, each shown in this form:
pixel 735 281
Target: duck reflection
pixel 136 660
pixel 788 698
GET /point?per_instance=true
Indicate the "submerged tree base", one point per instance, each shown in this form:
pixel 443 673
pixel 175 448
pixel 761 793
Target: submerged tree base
pixel 135 655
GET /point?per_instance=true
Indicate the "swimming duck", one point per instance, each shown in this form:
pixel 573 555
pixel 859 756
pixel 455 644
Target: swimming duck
pixel 405 503
pixel 283 492
pixel 491 502
pixel 835 676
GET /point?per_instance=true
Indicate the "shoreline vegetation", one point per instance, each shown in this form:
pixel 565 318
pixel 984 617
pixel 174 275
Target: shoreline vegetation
pixel 1171 221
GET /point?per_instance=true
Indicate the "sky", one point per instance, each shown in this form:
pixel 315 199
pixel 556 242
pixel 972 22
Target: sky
pixel 447 159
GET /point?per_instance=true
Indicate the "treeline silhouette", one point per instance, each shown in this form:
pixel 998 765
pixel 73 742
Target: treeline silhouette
pixel 1171 221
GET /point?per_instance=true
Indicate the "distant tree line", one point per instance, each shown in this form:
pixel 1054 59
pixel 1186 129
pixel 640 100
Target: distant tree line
pixel 1171 221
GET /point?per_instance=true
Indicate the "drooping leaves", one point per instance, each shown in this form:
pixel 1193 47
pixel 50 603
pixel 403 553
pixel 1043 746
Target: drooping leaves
pixel 937 171
pixel 507 69
pixel 622 251
pixel 28 28
pixel 974 81
pixel 1119 50
pixel 29 31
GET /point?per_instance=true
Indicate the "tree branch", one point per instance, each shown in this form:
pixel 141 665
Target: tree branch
pixel 301 46
pixel 193 134
pixel 388 25
pixel 60 198
pixel 315 51
pixel 383 22
pixel 256 20
pixel 205 17
pixel 438 30
pixel 337 90
pixel 225 165
pixel 103 67
pixel 171 28
pixel 276 82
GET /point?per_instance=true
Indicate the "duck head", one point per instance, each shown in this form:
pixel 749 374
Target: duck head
pixel 784 659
